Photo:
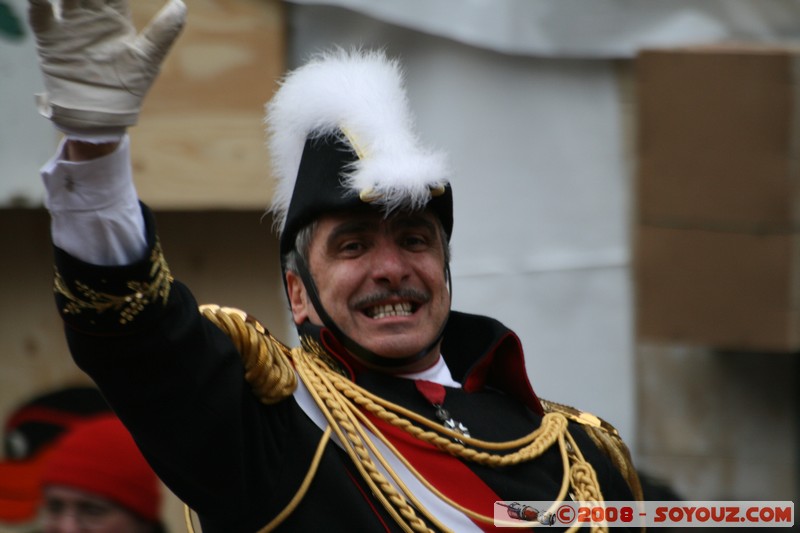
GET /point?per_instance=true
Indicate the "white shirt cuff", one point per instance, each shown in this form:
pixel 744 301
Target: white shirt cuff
pixel 95 212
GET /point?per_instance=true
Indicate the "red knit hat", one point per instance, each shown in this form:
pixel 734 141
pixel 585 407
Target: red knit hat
pixel 29 434
pixel 101 457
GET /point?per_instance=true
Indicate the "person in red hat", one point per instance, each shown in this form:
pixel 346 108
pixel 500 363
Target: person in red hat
pixel 29 434
pixel 96 479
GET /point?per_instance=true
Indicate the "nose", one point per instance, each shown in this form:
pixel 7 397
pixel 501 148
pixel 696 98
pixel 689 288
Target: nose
pixel 390 266
pixel 64 523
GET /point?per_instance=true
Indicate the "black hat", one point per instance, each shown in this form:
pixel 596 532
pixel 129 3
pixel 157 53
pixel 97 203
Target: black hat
pixel 341 138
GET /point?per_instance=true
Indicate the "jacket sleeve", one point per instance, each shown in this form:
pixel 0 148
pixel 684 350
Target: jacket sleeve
pixel 175 379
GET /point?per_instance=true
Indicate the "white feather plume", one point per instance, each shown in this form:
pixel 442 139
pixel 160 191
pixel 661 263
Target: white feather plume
pixel 360 93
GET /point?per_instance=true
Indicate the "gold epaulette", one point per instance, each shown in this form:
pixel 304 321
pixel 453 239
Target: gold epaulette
pixel 606 438
pixel 266 359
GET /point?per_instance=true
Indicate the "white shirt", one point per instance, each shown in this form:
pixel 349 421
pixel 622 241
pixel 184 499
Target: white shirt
pixel 95 213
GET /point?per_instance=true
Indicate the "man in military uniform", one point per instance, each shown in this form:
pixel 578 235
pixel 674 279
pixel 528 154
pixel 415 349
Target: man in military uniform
pixel 395 413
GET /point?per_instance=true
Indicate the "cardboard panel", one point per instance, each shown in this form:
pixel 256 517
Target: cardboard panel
pixel 200 139
pixel 717 138
pixel 721 289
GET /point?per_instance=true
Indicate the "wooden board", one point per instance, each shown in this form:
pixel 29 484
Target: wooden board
pixel 200 141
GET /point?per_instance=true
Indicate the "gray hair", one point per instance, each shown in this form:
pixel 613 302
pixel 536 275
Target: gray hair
pixel 302 245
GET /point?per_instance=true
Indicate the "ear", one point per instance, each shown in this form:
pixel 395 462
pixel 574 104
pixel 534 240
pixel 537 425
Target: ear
pixel 298 300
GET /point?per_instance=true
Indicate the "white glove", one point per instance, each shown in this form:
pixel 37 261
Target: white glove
pixel 96 68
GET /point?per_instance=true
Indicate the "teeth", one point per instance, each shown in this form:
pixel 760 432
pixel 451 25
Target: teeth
pixel 382 311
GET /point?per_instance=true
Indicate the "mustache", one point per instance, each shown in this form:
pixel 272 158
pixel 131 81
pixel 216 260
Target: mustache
pixel 414 295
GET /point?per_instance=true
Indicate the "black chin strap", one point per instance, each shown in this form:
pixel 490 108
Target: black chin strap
pixel 352 346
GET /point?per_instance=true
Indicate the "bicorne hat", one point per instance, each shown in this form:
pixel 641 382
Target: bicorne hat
pixel 341 137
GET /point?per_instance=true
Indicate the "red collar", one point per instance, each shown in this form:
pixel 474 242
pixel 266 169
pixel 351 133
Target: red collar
pixel 480 352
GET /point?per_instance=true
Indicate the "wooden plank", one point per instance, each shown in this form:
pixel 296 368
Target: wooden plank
pixel 200 139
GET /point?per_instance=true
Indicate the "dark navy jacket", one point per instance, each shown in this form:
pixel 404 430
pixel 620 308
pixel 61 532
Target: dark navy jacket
pixel 178 384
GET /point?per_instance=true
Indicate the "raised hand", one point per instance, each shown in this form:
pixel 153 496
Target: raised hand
pixel 97 69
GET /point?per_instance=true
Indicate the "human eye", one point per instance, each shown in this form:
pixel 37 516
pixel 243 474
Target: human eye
pixel 415 233
pixel 351 247
pixel 54 507
pixel 415 241
pixel 417 238
pixel 94 509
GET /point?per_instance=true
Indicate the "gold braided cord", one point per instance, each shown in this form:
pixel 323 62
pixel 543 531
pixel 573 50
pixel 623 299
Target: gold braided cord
pixel 187 517
pixel 267 367
pixel 295 501
pixel 553 429
pixel 270 370
pixel 351 437
pixel 607 440
pixel 472 514
pixel 537 442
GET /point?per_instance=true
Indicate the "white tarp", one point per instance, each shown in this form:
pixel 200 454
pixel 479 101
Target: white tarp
pixel 585 28
pixel 26 140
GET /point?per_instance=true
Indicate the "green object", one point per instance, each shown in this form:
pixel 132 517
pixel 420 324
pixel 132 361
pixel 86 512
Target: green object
pixel 10 25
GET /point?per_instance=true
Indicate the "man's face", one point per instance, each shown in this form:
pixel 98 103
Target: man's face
pixel 382 281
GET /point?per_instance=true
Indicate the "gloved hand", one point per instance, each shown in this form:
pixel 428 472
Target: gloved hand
pixel 96 68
